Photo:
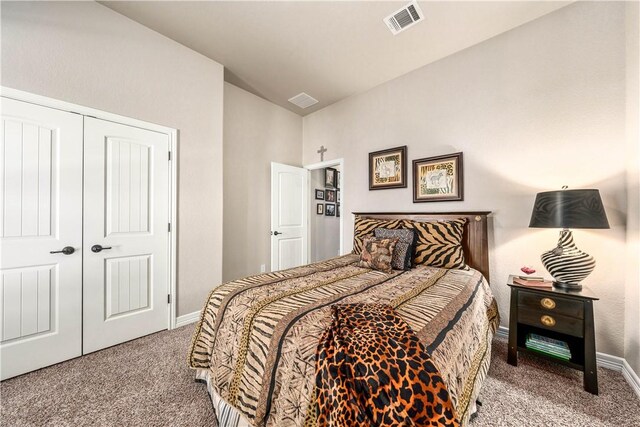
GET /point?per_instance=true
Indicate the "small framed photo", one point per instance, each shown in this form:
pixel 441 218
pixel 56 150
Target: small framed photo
pixel 388 168
pixel 338 196
pixel 320 208
pixel 438 179
pixel 330 209
pixel 338 210
pixel 330 195
pixel 319 194
pixel 330 178
pixel 337 179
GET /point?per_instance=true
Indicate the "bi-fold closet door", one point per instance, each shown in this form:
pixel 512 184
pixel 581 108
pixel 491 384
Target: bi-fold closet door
pixel 84 242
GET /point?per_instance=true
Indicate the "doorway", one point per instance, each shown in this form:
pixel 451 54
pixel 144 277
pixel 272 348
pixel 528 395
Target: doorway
pixel 326 210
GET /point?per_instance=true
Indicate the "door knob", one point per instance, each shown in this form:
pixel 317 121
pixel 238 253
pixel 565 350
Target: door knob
pixel 67 250
pixel 275 233
pixel 98 248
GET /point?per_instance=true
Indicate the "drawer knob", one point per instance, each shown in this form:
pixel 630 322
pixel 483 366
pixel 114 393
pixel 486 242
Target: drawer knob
pixel 548 303
pixel 547 320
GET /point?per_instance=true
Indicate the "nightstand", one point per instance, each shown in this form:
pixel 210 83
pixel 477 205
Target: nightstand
pixel 558 314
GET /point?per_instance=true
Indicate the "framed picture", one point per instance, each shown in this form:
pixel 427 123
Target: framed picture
pixel 319 194
pixel 320 208
pixel 438 179
pixel 338 196
pixel 338 210
pixel 388 168
pixel 337 179
pixel 330 209
pixel 330 195
pixel 330 177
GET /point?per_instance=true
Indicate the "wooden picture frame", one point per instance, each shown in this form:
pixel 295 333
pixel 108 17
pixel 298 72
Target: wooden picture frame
pixel 388 168
pixel 330 195
pixel 438 179
pixel 330 209
pixel 338 210
pixel 319 194
pixel 320 208
pixel 330 178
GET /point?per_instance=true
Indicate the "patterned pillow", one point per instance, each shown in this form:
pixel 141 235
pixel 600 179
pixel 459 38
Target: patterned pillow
pixel 403 254
pixel 364 227
pixel 439 243
pixel 377 254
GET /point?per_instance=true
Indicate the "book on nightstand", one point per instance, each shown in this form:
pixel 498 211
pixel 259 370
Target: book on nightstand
pixel 548 346
pixel 533 282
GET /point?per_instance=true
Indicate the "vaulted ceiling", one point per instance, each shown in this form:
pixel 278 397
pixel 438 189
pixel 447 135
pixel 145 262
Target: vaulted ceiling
pixel 330 50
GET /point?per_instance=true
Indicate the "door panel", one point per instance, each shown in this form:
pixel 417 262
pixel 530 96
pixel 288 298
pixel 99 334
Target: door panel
pixel 41 208
pixel 126 180
pixel 289 216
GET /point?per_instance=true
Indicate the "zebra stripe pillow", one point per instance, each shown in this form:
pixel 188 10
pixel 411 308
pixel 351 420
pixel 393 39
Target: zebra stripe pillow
pixel 365 227
pixel 439 243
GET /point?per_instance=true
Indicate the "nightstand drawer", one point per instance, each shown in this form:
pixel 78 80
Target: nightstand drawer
pixel 551 305
pixel 551 321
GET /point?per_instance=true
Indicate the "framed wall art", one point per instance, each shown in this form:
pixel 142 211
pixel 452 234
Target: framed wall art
pixel 320 208
pixel 388 168
pixel 330 177
pixel 330 209
pixel 319 194
pixel 330 195
pixel 438 179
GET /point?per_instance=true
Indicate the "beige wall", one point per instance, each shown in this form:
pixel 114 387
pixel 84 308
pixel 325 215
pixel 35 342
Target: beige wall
pixel 256 133
pixel 632 295
pixel 324 231
pixel 532 109
pixel 84 53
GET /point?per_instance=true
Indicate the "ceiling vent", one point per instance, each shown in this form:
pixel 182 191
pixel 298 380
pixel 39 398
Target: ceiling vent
pixel 404 18
pixel 303 100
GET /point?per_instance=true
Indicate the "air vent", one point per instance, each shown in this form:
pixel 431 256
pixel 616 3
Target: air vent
pixel 404 18
pixel 303 100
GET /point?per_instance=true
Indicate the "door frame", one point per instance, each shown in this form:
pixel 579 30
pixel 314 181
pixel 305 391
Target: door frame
pixel 172 134
pixel 322 165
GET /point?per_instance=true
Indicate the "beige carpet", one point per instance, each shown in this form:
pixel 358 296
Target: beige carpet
pixel 146 383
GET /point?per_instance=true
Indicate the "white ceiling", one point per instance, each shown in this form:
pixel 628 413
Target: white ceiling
pixel 330 50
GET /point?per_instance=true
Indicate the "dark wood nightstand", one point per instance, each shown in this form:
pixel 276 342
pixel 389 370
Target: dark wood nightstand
pixel 559 314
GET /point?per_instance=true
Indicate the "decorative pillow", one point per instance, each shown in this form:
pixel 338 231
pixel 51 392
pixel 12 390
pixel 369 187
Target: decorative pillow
pixel 377 254
pixel 439 243
pixel 364 227
pixel 403 254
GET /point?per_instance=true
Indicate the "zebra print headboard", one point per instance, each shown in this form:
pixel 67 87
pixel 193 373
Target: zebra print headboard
pixel 475 243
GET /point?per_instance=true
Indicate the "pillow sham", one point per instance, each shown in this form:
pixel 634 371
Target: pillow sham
pixel 377 254
pixel 364 227
pixel 439 243
pixel 402 258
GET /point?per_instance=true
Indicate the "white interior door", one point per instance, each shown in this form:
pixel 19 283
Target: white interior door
pixel 289 216
pixel 126 204
pixel 41 213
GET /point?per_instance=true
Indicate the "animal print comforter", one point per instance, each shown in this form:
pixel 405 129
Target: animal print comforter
pixel 255 343
pixel 372 370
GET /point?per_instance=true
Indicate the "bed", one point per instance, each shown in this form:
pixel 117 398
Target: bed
pixel 255 343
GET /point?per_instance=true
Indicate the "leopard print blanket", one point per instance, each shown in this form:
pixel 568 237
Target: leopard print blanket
pixel 372 370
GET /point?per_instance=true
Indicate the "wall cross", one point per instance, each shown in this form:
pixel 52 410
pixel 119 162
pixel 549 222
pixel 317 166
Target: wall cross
pixel 321 151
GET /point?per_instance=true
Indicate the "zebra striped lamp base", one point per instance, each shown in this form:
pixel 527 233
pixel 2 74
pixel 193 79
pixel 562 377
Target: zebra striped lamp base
pixel 567 264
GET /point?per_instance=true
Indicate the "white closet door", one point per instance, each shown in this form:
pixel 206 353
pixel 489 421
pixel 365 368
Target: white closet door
pixel 41 213
pixel 126 212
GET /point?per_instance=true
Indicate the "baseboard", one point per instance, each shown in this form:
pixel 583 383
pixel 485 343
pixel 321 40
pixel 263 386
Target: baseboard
pixel 187 319
pixel 604 360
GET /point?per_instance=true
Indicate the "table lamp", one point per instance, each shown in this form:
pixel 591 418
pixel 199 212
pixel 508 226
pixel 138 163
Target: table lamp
pixel 567 209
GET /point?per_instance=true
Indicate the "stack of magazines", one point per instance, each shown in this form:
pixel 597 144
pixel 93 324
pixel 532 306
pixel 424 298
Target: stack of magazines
pixel 548 346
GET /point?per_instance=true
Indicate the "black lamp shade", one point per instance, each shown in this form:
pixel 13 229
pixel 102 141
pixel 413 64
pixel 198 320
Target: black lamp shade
pixel 569 209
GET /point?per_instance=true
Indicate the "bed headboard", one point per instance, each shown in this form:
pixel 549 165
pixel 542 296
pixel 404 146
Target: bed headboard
pixel 474 241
